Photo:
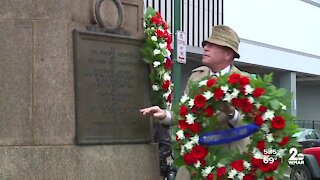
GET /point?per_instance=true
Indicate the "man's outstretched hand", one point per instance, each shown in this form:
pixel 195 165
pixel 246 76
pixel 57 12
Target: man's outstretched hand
pixel 154 111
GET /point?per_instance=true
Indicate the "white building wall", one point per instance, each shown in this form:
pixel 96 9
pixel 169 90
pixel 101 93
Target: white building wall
pixel 291 24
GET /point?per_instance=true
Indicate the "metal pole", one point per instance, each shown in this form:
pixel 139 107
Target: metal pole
pixel 176 72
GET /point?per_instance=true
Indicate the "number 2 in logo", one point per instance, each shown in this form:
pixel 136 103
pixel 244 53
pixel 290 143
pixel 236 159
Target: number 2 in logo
pixel 295 158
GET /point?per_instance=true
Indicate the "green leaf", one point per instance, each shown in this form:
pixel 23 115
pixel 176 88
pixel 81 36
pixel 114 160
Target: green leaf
pixel 281 92
pixel 275 104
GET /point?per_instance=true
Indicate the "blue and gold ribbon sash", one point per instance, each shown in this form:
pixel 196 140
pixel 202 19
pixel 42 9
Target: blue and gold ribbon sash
pixel 227 136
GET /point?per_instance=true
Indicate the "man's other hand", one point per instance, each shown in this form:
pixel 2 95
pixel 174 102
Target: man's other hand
pixel 154 111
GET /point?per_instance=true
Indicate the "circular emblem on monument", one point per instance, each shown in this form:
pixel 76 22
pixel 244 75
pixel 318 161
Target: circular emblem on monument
pixel 99 20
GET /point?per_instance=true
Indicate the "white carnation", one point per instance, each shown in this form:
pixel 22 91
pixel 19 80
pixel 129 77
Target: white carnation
pixel 251 99
pixel 195 139
pixel 156 52
pixel 208 95
pixel 198 164
pixel 206 171
pixel 232 173
pixel 224 88
pixel 203 83
pixel 184 98
pixel 180 134
pixel 156 64
pixel 235 93
pixel 227 97
pixel 189 145
pixel 191 103
pixel 270 137
pixel 155 87
pixel 268 115
pixel 166 76
pixel 154 38
pixel 163 45
pixel 248 89
pixel 190 119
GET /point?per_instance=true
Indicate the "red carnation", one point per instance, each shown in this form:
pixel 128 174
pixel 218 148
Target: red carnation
pixel 269 167
pixel 234 79
pixel 237 165
pixel 170 48
pixel 208 111
pixel 236 103
pixel 284 141
pixel 168 64
pixel 218 94
pixel 160 33
pixel 258 92
pixel 247 105
pixel 188 135
pixel 183 111
pixel 268 178
pixel 200 101
pixel 169 41
pixel 258 120
pixel 183 124
pixel 155 20
pixel 195 127
pixel 195 110
pixel 158 15
pixel 221 171
pixel 261 145
pixel 244 81
pixel 209 177
pixel 165 26
pixel 189 159
pixel 166 85
pixel 199 152
pixel 203 162
pixel 262 109
pixel 211 82
pixel 170 98
pixel 278 122
pixel 249 177
pixel 256 162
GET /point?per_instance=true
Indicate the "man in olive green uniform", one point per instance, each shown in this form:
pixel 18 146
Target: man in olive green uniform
pixel 220 49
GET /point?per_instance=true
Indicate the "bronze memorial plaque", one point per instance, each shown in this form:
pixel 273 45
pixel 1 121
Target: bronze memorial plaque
pixel 111 85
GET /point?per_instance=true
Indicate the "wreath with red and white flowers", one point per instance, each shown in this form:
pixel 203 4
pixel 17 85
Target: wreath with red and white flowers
pixel 260 103
pixel 157 53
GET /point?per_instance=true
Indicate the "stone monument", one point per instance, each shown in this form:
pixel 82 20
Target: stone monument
pixel 41 97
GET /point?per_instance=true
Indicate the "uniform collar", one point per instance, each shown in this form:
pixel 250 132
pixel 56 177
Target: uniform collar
pixel 222 72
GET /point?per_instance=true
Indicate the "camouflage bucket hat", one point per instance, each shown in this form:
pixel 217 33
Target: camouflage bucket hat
pixel 224 36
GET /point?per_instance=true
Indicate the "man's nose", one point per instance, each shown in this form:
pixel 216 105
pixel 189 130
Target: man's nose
pixel 205 47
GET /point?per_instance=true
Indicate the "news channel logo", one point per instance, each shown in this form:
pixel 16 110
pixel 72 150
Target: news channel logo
pixel 295 158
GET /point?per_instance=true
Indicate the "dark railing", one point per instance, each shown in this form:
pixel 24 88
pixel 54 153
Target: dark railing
pixel 308 124
pixel 197 16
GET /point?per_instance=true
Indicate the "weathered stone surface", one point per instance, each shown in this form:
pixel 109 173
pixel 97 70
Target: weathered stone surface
pixel 36 9
pixel 16 82
pixel 133 14
pixel 82 11
pixel 79 162
pixel 53 87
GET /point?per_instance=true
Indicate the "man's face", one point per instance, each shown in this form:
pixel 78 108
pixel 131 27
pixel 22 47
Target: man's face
pixel 214 55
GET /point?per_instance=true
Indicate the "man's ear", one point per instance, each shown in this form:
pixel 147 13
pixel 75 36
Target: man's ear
pixel 230 54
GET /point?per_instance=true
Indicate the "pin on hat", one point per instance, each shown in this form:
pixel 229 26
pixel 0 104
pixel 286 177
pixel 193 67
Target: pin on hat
pixel 224 36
